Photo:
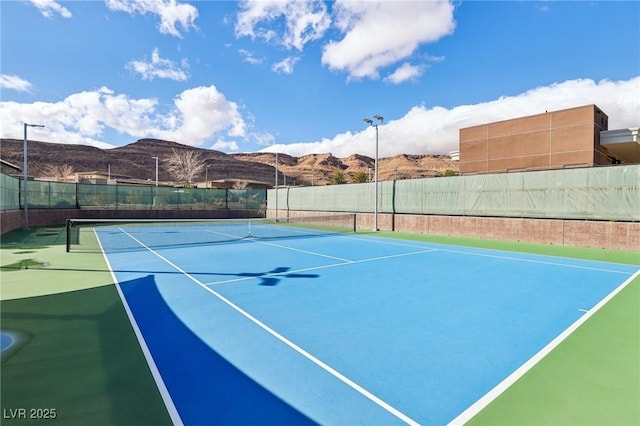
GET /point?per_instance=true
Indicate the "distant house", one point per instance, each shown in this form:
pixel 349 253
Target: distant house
pixel 229 184
pixel 9 168
pixel 93 177
pixel 101 178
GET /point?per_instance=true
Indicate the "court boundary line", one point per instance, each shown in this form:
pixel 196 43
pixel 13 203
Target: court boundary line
pixel 514 258
pixel 475 408
pixel 155 372
pixel 378 401
pixel 542 262
pixel 386 240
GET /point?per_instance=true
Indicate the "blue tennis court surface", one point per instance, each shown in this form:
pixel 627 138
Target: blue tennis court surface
pixel 343 329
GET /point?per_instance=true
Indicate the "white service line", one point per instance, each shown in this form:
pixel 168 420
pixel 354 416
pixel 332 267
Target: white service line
pixel 301 251
pixel 313 268
pixel 480 404
pixel 257 240
pixel 287 342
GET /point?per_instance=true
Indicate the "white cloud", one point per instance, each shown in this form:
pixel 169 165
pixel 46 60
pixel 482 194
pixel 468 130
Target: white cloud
pixel 198 115
pixel 543 8
pixel 263 138
pixel 14 82
pixel 435 130
pixel 286 65
pixel 405 72
pixel 249 57
pixel 225 146
pixel 433 58
pixel 382 33
pixel 48 8
pixel 203 115
pixel 304 21
pixel 159 68
pixel 171 13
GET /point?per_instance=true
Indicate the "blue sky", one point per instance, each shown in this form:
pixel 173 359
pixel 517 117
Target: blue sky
pixel 298 76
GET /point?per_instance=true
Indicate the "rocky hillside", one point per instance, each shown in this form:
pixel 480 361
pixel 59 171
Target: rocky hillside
pixel 136 161
pixel 317 169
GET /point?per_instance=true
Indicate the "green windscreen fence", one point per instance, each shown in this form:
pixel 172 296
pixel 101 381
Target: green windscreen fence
pixel 151 197
pixel 604 193
pixel 9 192
pixel 50 195
pixel 57 195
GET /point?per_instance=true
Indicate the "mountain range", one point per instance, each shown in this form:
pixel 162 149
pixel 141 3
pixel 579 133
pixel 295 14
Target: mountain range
pixel 136 160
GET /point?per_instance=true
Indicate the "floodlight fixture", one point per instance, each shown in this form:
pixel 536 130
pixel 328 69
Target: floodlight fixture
pixel 368 121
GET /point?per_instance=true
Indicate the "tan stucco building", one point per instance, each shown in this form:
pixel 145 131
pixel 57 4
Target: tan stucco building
pixel 574 137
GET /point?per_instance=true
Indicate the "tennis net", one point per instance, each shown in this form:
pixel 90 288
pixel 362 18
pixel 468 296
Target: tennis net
pixel 133 234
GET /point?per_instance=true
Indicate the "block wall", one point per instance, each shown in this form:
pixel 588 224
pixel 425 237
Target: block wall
pixel 576 233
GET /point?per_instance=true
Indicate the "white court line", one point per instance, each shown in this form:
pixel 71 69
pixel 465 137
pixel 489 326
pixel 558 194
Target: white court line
pixel 287 342
pixel 382 240
pixel 162 388
pixel 332 265
pixel 301 251
pixel 348 260
pixel 514 258
pixel 257 240
pixel 480 404
pixel 542 262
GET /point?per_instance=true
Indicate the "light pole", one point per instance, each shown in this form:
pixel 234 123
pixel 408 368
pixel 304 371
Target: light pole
pixel 276 186
pixel 206 176
pixel 156 158
pixel 26 201
pixel 375 207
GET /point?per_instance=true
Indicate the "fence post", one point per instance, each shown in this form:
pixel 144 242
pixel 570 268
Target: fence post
pixel 68 232
pixel 20 195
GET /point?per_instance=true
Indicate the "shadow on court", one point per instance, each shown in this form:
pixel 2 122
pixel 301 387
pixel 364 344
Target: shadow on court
pixel 270 278
pixel 79 357
pixel 205 388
